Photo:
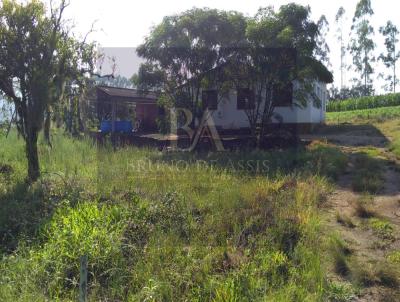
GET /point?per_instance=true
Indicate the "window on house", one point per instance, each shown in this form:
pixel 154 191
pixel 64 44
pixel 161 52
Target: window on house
pixel 283 95
pixel 209 99
pixel 245 99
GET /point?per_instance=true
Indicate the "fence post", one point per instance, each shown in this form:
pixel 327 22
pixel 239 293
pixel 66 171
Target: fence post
pixel 83 279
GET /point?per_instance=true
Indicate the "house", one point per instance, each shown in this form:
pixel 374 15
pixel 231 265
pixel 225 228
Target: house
pixel 231 110
pixel 125 110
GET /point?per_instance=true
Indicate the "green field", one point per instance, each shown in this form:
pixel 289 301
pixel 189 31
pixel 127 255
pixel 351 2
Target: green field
pixel 364 115
pixel 165 226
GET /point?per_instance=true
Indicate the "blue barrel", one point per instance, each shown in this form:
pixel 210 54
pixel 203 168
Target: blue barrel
pixel 123 126
pixel 105 126
pixel 120 126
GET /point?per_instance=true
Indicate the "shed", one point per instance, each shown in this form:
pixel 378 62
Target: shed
pixel 121 106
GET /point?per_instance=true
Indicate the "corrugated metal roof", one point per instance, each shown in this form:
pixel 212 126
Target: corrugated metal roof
pixel 127 93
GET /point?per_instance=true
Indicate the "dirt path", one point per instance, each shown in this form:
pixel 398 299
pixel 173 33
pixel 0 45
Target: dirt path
pixel 369 250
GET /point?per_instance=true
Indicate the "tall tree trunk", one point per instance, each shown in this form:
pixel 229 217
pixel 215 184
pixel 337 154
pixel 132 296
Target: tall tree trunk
pixel 46 130
pixel 32 154
pixel 394 77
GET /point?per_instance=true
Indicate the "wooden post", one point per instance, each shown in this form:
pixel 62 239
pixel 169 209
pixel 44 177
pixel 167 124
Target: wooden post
pixel 83 279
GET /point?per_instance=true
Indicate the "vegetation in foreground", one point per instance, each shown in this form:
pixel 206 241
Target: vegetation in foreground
pixel 167 227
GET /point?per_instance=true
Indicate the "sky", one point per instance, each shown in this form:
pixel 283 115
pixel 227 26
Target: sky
pixel 121 25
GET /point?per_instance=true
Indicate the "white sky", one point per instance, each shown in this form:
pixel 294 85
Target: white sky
pixel 124 23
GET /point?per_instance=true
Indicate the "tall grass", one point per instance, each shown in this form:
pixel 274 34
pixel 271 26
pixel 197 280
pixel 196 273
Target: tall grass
pixel 164 227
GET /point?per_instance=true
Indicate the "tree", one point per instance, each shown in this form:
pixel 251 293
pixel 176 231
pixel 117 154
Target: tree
pixel 390 32
pixel 182 48
pixel 362 45
pixel 209 48
pixel 38 57
pixel 288 29
pixel 339 21
pixel 322 50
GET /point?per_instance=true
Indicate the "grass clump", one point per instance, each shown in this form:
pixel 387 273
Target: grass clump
pixel 382 228
pixel 345 220
pixel 368 176
pixel 341 292
pixel 381 273
pixel 340 252
pixel 363 207
pixel 394 257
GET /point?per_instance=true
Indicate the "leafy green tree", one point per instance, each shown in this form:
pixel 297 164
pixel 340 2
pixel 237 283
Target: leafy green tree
pixel 209 48
pixel 38 57
pixel 182 48
pixel 339 19
pixel 288 28
pixel 390 32
pixel 362 45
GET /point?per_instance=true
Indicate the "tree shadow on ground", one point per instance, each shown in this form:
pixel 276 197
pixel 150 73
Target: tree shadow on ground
pixel 22 211
pixel 351 135
pixel 25 208
pixel 370 164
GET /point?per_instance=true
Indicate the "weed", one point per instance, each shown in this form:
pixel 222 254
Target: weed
pixel 340 292
pixel 388 275
pixel 344 220
pixel 363 207
pixel 381 273
pixel 368 174
pixel 394 257
pixel 340 252
pixel 382 228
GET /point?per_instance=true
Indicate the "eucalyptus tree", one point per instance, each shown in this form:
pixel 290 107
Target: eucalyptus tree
pixel 390 32
pixel 362 45
pixel 322 50
pixel 38 56
pixel 339 20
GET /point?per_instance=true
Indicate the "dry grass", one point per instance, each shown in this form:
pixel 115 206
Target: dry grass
pixel 363 207
pixel 344 220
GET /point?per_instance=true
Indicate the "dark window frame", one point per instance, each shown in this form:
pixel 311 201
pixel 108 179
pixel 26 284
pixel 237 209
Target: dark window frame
pixel 283 96
pixel 209 102
pixel 245 99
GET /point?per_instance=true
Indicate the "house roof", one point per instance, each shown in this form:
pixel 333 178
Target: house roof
pixel 128 93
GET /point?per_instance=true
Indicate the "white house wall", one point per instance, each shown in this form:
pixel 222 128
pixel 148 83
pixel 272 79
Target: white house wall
pixel 227 116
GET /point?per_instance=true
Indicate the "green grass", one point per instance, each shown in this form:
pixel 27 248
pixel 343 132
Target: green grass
pixel 368 174
pixel 394 257
pixel 382 228
pixel 164 226
pixel 364 115
pixel 386 119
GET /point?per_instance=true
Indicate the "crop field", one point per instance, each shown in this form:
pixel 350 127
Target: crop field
pixel 370 102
